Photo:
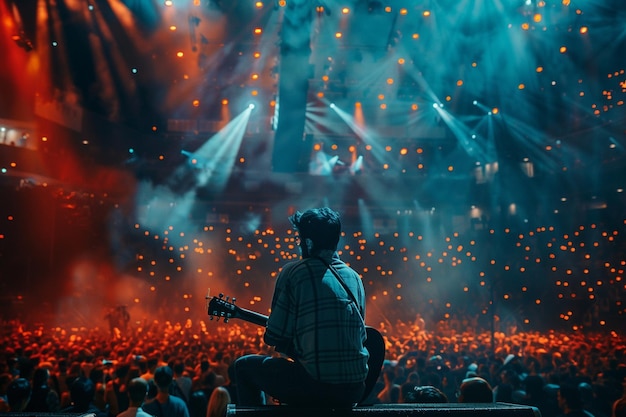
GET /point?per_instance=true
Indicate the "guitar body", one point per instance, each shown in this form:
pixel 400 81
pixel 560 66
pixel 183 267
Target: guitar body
pixel 375 344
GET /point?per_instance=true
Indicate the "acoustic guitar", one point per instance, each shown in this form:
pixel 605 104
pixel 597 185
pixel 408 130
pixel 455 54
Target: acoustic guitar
pixel 225 308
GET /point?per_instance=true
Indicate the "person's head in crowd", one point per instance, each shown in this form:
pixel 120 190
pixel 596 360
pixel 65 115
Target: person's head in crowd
pixel 142 363
pixel 400 374
pixel 178 367
pixel 533 385
pixel 75 370
pixel 586 393
pixel 218 401
pixel 97 374
pixel 41 376
pixel 137 391
pixel 475 390
pixel 62 366
pixel 569 398
pixel 472 370
pixel 424 394
pixel 511 377
pixel 152 362
pixel 82 393
pixel 163 377
pixel 413 378
pixel 18 394
pixel 504 393
pixel 122 370
pixel 434 379
pixel 209 379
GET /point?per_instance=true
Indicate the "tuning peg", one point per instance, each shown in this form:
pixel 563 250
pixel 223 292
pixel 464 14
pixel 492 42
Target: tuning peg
pixel 221 295
pixel 211 318
pixel 227 298
pixel 234 299
pixel 226 320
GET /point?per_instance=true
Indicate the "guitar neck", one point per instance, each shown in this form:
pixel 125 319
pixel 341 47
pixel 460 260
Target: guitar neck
pixel 252 317
pixel 221 307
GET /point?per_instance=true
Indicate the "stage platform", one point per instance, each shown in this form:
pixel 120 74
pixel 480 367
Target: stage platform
pixel 389 410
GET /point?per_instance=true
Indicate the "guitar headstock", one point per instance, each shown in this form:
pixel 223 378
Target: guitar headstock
pixel 221 307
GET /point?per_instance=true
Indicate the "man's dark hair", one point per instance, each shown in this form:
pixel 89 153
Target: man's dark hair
pixel 321 225
pixel 163 377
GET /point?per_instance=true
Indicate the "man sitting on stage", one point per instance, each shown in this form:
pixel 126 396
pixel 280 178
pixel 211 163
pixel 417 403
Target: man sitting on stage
pixel 317 319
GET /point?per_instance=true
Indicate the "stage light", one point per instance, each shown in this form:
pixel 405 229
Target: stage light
pixel 332 105
pixel 251 106
pixel 475 103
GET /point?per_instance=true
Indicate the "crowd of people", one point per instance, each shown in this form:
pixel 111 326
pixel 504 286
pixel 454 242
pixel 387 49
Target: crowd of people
pixel 80 369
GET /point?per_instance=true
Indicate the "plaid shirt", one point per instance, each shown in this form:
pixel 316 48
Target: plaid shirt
pixel 315 321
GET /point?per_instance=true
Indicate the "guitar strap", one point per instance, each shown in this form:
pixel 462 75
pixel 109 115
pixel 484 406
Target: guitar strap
pixel 345 287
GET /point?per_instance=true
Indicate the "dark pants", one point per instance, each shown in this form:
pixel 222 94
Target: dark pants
pixel 289 383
